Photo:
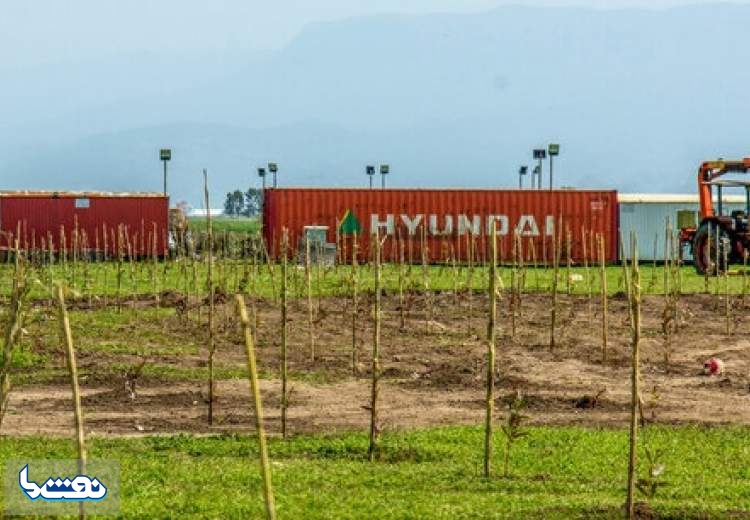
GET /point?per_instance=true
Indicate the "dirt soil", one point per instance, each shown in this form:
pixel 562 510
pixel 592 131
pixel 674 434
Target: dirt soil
pixel 433 370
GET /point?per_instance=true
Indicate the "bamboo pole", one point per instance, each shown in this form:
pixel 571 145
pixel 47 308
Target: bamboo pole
pixel 604 299
pixel 374 427
pixel 513 282
pixel 401 281
pixel 744 276
pixel 667 254
pixel 490 398
pixel 70 359
pixel 12 331
pixel 265 465
pixel 120 257
pixel 284 329
pixel 355 305
pixel 426 281
pixel 556 246
pixel 310 308
pixel 626 277
pixel 211 291
pixel 568 259
pixel 727 305
pixel 470 280
pixel 635 377
pixel 587 271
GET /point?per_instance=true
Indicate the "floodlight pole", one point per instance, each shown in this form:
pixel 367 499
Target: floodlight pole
pixel 165 154
pixel 551 161
pixel 522 170
pixel 384 170
pixel 539 171
pixel 165 178
pixel 553 150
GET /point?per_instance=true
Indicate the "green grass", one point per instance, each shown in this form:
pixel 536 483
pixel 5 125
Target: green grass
pixel 189 276
pixel 229 224
pixel 557 473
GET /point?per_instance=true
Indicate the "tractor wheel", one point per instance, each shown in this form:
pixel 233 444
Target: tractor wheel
pixel 710 249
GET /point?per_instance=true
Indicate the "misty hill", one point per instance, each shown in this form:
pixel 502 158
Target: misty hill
pixel 635 97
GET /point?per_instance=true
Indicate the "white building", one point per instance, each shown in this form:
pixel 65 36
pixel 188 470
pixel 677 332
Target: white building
pixel 647 213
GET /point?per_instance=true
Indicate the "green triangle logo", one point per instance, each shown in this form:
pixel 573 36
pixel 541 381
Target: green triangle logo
pixel 350 224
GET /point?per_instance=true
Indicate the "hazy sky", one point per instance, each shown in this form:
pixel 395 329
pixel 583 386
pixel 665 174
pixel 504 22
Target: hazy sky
pixel 34 32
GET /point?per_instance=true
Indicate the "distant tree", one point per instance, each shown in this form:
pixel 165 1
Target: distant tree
pixel 253 202
pixel 234 203
pixel 184 206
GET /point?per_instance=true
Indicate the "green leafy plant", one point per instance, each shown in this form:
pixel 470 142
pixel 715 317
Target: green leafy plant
pixel 513 429
pixel 652 481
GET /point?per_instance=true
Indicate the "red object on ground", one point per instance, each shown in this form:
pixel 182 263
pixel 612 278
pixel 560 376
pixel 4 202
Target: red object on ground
pixel 81 219
pixel 450 222
pixel 713 367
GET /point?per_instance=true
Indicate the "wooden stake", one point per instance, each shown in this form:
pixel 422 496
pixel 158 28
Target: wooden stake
pixel 587 271
pixel 310 307
pixel 635 377
pixel 70 359
pixel 12 331
pixel 211 294
pixel 401 282
pixel 604 299
pixel 490 398
pixel 568 259
pixel 556 246
pixel 374 427
pixel 727 306
pixel 355 306
pixel 284 329
pixel 265 465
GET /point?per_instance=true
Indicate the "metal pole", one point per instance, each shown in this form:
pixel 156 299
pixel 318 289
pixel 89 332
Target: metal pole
pixel 382 182
pixel 264 182
pixel 370 176
pixel 165 177
pixel 520 181
pixel 539 180
pixel 274 179
pixel 551 160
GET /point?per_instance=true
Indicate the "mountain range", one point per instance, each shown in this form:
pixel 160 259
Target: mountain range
pixel 636 98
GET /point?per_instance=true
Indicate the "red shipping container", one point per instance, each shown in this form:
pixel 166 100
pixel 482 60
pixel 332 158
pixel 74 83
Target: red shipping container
pixel 445 223
pixel 134 222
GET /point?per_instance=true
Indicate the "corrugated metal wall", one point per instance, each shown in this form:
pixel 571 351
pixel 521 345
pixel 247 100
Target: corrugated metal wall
pixel 649 221
pixel 448 222
pixel 82 220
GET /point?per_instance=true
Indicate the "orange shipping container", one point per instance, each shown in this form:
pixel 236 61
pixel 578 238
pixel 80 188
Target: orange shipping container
pixel 444 223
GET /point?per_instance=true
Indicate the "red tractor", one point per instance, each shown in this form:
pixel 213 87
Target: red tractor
pixel 719 239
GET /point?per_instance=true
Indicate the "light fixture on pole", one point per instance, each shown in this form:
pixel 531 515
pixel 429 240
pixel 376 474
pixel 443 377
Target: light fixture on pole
pixel 273 168
pixel 370 171
pixel 536 173
pixel 165 155
pixel 554 150
pixel 540 154
pixel 262 175
pixel 384 169
pixel 522 171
